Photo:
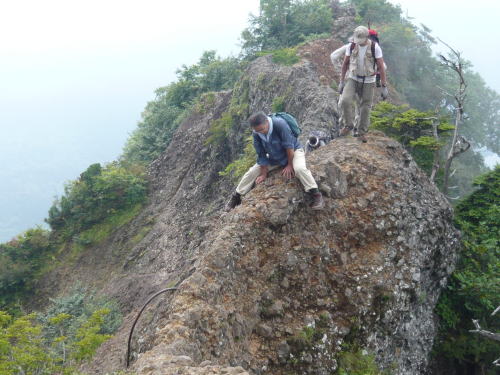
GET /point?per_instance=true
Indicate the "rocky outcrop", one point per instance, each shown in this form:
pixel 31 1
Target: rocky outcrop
pixel 279 288
pixel 273 287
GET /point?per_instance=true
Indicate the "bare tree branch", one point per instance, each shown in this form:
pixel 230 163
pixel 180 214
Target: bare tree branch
pixel 496 310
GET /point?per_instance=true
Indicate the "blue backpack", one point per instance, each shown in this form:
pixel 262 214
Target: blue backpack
pixel 290 120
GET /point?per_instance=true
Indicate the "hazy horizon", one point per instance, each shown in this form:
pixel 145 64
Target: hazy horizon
pixel 76 77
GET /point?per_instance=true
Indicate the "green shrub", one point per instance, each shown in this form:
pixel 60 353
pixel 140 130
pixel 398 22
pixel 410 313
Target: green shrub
pixel 97 194
pixel 413 129
pixel 357 363
pixel 474 288
pixel 238 168
pixel 278 104
pixel 285 56
pixel 286 23
pixel 220 128
pixel 172 103
pixel 24 349
pixel 20 259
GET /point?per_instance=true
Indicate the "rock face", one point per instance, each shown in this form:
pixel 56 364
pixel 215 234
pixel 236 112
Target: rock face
pixel 273 287
pixel 279 288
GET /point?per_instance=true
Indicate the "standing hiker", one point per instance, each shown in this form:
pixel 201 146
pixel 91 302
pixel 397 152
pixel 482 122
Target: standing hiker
pixel 362 58
pixel 276 146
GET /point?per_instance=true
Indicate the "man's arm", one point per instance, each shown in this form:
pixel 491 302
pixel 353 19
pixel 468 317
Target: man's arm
pixel 262 159
pixel 259 150
pixel 345 66
pixel 263 174
pixel 381 69
pixel 287 172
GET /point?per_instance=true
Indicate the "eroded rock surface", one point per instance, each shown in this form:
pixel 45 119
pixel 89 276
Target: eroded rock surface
pixel 280 287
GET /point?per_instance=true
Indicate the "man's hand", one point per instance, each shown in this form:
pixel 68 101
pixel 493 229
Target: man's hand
pixel 288 172
pixel 384 93
pixel 341 87
pixel 260 179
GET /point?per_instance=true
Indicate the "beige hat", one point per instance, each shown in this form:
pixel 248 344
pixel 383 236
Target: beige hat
pixel 360 34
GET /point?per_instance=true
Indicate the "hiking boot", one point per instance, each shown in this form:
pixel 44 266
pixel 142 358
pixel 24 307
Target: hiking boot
pixel 344 132
pixel 318 202
pixel 363 138
pixel 233 202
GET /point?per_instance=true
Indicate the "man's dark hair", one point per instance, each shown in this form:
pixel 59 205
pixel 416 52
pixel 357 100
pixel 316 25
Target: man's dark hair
pixel 257 118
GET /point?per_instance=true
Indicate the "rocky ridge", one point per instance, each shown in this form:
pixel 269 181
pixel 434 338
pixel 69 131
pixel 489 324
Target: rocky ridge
pixel 280 288
pixel 272 287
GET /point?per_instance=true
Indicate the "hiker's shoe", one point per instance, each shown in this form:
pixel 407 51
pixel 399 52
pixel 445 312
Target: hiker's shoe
pixel 344 132
pixel 318 202
pixel 233 202
pixel 363 138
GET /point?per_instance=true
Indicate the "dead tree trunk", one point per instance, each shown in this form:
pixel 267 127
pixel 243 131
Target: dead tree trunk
pixel 488 334
pixel 458 143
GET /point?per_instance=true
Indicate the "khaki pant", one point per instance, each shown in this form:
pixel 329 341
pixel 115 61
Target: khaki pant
pixel 362 92
pixel 299 166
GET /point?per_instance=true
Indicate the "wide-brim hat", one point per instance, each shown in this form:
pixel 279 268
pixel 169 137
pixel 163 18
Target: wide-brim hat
pixel 360 35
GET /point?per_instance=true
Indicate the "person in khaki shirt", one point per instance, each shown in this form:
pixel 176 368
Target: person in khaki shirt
pixel 362 58
pixel 276 146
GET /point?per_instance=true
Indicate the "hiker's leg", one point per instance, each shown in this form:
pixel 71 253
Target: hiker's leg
pixel 248 179
pixel 346 103
pixel 365 107
pixel 301 171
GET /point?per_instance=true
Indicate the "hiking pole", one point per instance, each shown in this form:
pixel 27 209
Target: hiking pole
pixel 137 318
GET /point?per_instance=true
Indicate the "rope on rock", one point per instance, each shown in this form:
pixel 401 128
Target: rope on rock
pixel 137 318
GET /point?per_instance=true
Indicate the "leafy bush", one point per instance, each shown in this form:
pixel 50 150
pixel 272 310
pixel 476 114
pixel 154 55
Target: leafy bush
pixel 285 56
pixel 20 259
pixel 474 289
pixel 278 104
pixel 25 350
pixel 97 194
pixel 357 363
pixel 283 23
pixel 238 168
pixel 412 128
pixel 162 116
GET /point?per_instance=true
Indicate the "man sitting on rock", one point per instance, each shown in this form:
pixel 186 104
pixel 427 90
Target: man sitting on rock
pixel 362 58
pixel 276 146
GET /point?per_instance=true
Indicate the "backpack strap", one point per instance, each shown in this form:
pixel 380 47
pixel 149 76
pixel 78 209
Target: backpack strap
pixel 351 47
pixel 373 54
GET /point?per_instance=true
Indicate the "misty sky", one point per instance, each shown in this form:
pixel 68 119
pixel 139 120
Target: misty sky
pixel 75 76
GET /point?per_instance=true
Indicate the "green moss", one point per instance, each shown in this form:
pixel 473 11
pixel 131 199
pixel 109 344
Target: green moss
pixel 204 103
pixel 100 232
pixel 238 167
pixel 238 110
pixel 286 56
pixel 220 128
pixel 278 104
pixel 304 341
pixel 140 235
pixel 358 363
pixel 261 79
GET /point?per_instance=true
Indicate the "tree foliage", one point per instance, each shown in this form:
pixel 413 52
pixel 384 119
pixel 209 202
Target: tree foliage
pixel 20 259
pixel 163 114
pixel 474 289
pixel 413 129
pixel 24 350
pixel 97 194
pixel 285 23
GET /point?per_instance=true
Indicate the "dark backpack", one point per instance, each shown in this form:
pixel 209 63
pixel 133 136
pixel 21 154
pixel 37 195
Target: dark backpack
pixel 290 120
